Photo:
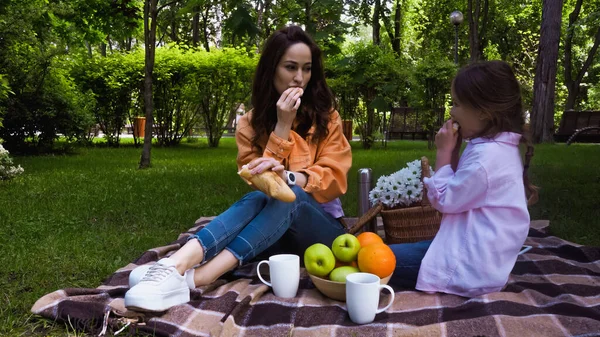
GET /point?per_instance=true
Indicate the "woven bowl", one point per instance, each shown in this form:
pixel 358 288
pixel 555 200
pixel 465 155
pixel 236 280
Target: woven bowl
pixel 336 290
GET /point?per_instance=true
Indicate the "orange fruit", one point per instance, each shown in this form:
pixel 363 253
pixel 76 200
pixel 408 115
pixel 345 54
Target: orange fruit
pixel 339 263
pixel 378 259
pixel 367 238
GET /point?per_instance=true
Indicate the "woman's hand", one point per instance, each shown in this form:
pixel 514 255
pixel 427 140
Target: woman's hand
pixel 263 164
pixel 287 106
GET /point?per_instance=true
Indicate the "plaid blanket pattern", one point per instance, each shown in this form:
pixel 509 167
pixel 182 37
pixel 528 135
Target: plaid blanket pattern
pixel 554 290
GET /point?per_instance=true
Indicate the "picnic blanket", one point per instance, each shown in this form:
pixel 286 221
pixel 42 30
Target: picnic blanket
pixel 554 290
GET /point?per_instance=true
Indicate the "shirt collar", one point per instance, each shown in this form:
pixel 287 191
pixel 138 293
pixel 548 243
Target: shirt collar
pixel 503 137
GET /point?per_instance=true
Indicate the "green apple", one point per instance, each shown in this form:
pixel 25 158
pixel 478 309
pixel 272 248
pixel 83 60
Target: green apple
pixel 339 274
pixel 319 260
pixel 345 247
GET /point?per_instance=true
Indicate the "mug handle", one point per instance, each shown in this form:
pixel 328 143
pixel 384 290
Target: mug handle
pixel 258 273
pixel 384 286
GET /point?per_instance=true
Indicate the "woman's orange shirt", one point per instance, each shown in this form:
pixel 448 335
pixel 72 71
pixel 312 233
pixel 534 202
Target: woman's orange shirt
pixel 326 164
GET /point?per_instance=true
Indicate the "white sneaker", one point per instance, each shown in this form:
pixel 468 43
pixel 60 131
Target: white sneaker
pixel 138 273
pixel 161 288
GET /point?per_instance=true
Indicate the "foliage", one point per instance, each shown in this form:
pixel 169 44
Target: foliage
pixel 432 78
pixel 374 76
pixel 44 102
pixel 114 82
pixel 36 115
pixel 222 80
pixel 174 110
pixel 44 43
pixel 191 88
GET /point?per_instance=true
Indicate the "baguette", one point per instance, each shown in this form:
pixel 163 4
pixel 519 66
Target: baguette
pixel 269 183
pixel 455 127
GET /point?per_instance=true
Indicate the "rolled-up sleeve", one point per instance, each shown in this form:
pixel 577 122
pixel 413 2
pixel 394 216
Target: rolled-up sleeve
pixel 278 148
pixel 328 176
pixel 243 140
pixel 460 191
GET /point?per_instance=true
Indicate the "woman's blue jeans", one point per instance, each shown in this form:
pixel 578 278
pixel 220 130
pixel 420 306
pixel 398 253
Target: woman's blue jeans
pixel 257 222
pixel 408 263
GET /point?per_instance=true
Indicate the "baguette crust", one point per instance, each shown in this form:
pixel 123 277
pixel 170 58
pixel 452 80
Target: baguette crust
pixel 269 183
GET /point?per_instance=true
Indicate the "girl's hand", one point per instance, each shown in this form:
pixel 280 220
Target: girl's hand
pixel 287 106
pixel 263 164
pixel 446 138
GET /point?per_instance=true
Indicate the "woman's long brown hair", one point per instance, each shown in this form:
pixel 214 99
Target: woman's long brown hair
pixel 317 101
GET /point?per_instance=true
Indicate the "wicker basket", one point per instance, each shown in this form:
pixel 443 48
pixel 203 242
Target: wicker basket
pixel 406 224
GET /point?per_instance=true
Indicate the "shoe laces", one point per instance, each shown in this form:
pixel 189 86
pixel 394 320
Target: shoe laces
pixel 157 273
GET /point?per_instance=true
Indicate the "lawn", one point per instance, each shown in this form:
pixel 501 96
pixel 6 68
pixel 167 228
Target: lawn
pixel 71 220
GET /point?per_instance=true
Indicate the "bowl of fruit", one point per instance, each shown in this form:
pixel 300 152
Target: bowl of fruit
pixel 328 267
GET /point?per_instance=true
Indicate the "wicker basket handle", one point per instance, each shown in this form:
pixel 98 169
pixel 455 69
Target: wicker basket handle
pixel 365 218
pixel 425 173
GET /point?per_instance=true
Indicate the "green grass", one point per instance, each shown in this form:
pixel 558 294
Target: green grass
pixel 72 220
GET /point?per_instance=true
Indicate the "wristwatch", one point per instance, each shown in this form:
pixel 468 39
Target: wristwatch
pixel 290 177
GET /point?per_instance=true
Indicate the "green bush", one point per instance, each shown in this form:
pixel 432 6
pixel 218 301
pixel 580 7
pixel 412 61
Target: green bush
pixel 114 82
pixel 174 110
pixel 222 78
pixel 44 107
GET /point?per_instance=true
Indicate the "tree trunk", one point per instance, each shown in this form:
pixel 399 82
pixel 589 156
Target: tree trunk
pixel 397 28
pixel 89 48
pixel 310 28
pixel 196 28
pixel 393 31
pixel 205 29
pixel 542 113
pixel 259 10
pixel 266 14
pixel 574 84
pixel 484 23
pixel 103 49
pixel 376 24
pixel 150 15
pixel 473 17
pixel 109 42
pixel 174 35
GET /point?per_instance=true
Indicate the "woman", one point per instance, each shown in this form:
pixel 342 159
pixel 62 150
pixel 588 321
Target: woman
pixel 293 130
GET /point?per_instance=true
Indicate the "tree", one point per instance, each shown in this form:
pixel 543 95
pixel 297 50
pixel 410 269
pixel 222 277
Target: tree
pixel 376 24
pixel 478 22
pixel 573 80
pixel 376 12
pixel 150 22
pixel 542 114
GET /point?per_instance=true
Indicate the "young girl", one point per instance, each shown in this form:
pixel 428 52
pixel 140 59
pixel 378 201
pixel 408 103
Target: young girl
pixel 483 200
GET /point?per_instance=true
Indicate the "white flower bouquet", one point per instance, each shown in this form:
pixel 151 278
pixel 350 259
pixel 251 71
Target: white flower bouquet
pixel 7 168
pixel 402 188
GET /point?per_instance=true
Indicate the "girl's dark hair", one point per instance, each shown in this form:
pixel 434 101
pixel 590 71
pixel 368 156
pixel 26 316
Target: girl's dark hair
pixel 317 101
pixel 491 88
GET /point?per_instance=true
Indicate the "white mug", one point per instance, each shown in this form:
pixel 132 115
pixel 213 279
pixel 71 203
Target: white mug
pixel 362 297
pixel 285 274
